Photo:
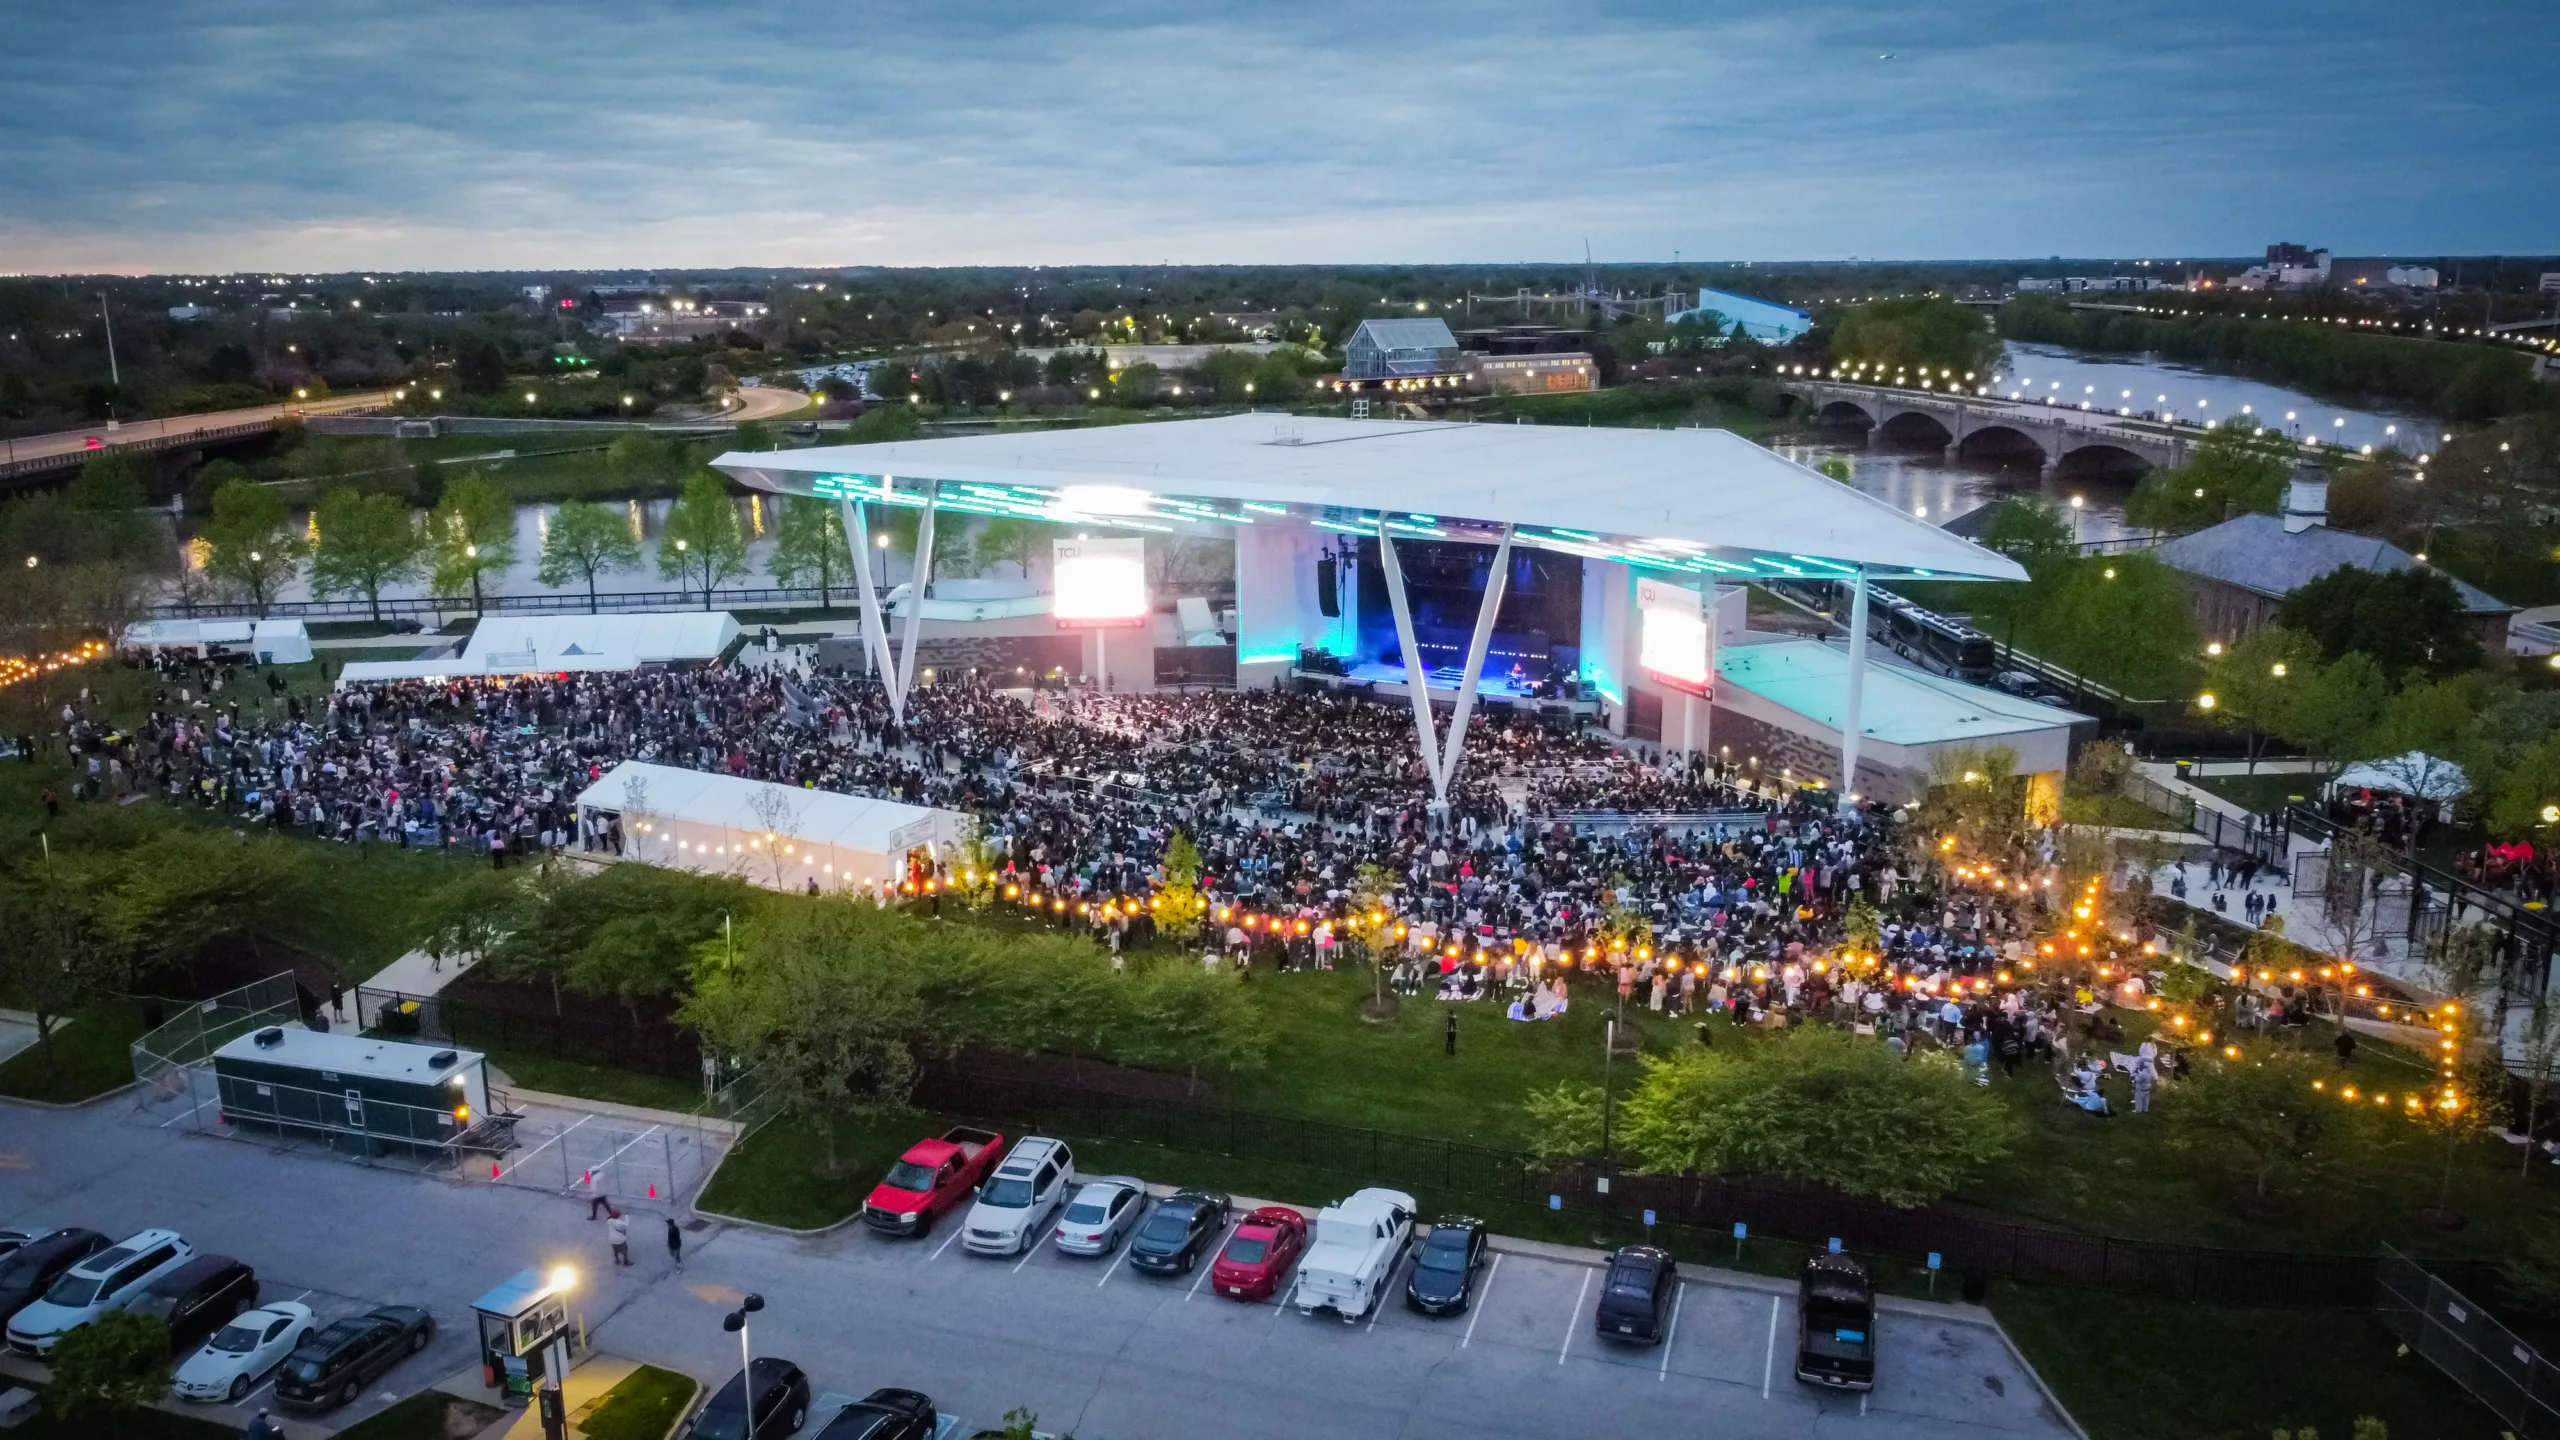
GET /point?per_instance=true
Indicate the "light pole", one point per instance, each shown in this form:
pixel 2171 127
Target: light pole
pixel 736 1323
pixel 472 554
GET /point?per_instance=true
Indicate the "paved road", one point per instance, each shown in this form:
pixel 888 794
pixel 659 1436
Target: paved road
pixel 1091 1347
pixel 31 447
pixel 764 402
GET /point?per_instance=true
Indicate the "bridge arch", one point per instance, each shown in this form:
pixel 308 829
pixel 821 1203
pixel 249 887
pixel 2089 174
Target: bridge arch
pixel 2002 445
pixel 1917 427
pixel 1839 412
pixel 2098 460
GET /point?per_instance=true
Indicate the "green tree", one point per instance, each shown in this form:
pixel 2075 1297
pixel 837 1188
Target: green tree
pixel 473 533
pixel 2257 1115
pixel 1565 1123
pixel 1010 540
pixel 250 540
pixel 1817 1104
pixel 1178 904
pixel 479 366
pixel 2124 619
pixel 107 1369
pixel 643 461
pixel 1181 1015
pixel 2257 680
pixel 586 540
pixel 366 542
pixel 56 959
pixel 809 546
pixel 701 545
pixel 2410 621
pixel 1948 342
pixel 2527 801
pixel 1975 807
pixel 2339 705
pixel 885 422
pixel 2237 466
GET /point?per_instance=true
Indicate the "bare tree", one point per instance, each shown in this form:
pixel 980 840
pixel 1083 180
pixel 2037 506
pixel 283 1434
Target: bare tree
pixel 639 822
pixel 779 817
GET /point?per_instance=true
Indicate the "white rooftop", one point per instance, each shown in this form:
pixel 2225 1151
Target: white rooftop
pixel 350 1055
pixel 1703 502
pixel 528 644
pixel 1901 706
pixel 818 817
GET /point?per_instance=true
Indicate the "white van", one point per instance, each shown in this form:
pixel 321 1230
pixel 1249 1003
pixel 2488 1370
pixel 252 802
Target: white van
pixel 109 1280
pixel 1015 1202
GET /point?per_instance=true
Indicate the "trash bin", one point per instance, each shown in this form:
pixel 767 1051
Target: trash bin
pixel 400 1018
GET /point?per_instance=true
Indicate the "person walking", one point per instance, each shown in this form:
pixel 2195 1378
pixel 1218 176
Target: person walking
pixel 617 1229
pixel 2146 1073
pixel 675 1244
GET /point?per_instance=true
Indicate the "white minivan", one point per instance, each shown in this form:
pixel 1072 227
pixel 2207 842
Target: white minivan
pixel 1015 1203
pixel 109 1280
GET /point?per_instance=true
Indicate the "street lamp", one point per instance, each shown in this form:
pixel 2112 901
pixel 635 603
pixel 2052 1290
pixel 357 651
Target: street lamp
pixel 735 1322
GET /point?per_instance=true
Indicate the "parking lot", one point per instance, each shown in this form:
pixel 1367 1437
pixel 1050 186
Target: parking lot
pixel 1091 1345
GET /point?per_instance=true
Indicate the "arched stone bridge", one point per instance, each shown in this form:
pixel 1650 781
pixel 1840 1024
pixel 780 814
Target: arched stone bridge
pixel 1979 427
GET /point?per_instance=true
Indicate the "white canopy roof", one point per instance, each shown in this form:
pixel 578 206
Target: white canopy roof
pixel 1702 502
pixel 810 816
pixel 2416 773
pixel 526 644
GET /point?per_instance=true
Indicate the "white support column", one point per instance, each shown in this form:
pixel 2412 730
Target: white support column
pixel 922 575
pixel 1486 610
pixel 1851 719
pixel 1425 737
pixel 875 636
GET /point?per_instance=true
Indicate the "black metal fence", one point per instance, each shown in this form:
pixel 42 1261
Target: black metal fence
pixel 1707 1206
pixel 587 1034
pixel 2464 1341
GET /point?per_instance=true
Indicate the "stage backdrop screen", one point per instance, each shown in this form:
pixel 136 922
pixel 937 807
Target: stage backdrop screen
pixel 1101 582
pixel 1673 643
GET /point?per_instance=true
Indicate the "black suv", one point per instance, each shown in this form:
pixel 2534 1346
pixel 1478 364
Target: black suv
pixel 198 1298
pixel 32 1268
pixel 1170 1240
pixel 781 1403
pixel 1636 1299
pixel 331 1368
pixel 885 1415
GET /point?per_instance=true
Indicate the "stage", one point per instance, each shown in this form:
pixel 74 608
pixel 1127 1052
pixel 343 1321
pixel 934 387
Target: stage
pixel 1443 680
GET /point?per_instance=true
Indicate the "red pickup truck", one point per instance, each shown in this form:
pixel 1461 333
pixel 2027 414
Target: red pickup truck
pixel 932 1177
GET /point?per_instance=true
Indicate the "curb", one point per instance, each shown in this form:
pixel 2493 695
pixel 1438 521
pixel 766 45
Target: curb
pixel 728 1128
pixel 98 1099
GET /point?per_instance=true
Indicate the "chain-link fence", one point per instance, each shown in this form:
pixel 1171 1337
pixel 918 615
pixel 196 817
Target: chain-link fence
pixel 2461 1339
pixel 189 1039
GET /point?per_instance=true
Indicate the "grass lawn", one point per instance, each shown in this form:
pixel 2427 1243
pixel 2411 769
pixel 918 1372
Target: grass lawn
pixel 2134 1369
pixel 642 1407
pixel 90 1055
pixel 533 1071
pixel 2114 811
pixel 2260 793
pixel 427 1415
pixel 775 1178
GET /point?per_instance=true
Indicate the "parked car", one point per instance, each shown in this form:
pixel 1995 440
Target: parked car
pixel 198 1298
pixel 1015 1203
pixel 332 1367
pixel 31 1269
pixel 108 1280
pixel 11 1240
pixel 931 1178
pixel 1444 1274
pixel 1102 1215
pixel 890 1414
pixel 1635 1301
pixel 1261 1255
pixel 2020 683
pixel 781 1403
pixel 1836 1324
pixel 1357 1246
pixel 1178 1231
pixel 244 1352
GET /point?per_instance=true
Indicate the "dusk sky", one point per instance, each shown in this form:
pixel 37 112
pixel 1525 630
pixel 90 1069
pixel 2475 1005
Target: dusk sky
pixel 180 135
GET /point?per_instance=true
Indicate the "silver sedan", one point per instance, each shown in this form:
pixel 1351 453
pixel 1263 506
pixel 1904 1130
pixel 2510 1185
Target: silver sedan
pixel 1101 1215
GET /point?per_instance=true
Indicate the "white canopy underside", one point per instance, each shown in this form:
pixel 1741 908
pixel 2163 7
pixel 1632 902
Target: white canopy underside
pixel 1705 502
pixel 719 823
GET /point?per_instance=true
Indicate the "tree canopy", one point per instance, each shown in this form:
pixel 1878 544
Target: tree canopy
pixel 367 541
pixel 2411 622
pixel 586 540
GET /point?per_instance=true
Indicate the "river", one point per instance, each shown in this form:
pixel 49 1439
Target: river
pixel 1920 480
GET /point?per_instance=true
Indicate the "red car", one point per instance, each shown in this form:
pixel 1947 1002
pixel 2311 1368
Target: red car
pixel 1260 1255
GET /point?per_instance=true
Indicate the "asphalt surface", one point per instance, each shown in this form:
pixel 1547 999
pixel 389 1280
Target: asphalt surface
pixel 1090 1345
pixel 129 432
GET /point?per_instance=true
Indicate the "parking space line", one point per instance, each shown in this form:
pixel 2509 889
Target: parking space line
pixel 1769 1361
pixel 1671 1332
pixel 616 1155
pixel 947 1242
pixel 538 1149
pixel 1028 1250
pixel 189 1113
pixel 1575 1323
pixel 1862 1402
pixel 1214 1251
pixel 1115 1266
pixel 1387 1288
pixel 1475 1311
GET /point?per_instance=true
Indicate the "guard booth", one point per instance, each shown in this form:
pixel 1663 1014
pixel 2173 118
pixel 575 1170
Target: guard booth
pixel 525 1332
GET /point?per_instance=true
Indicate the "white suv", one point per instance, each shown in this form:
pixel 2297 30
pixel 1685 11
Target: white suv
pixel 109 1280
pixel 1015 1203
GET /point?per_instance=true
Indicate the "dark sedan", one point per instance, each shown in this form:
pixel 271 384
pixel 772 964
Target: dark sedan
pixel 781 1403
pixel 332 1367
pixel 889 1414
pixel 1171 1240
pixel 32 1268
pixel 1444 1274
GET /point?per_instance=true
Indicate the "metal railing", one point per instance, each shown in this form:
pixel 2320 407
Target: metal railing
pixel 586 1035
pixel 2463 1340
pixel 73 459
pixel 440 606
pixel 2527 936
pixel 190 1039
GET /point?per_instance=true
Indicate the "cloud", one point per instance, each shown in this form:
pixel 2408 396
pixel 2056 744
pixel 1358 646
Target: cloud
pixel 478 135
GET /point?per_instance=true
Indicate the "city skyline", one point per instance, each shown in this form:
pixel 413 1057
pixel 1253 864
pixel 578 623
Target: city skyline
pixel 1137 133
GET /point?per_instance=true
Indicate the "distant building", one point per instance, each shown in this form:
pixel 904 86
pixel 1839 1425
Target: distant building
pixel 2376 274
pixel 1399 350
pixel 2239 572
pixel 2101 284
pixel 1766 321
pixel 1534 374
pixel 189 312
pixel 2285 255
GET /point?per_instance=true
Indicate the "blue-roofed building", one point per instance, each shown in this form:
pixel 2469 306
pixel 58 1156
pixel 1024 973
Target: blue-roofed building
pixel 1400 350
pixel 1766 321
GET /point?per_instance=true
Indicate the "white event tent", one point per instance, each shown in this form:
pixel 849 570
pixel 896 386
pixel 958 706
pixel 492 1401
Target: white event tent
pixel 544 644
pixel 774 835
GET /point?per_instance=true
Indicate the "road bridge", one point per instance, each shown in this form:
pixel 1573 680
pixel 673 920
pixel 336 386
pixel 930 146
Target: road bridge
pixel 1982 427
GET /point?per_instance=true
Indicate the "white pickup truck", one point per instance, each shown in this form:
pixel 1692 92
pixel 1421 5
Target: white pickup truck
pixel 1357 1244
